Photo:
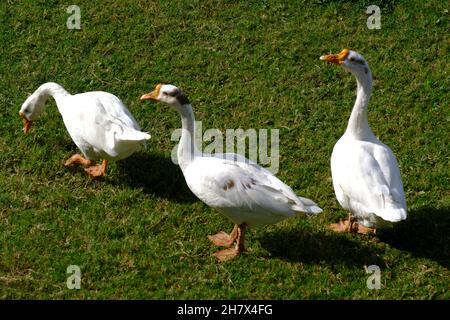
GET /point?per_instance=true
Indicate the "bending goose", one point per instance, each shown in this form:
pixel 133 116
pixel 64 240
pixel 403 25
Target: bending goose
pixel 98 122
pixel 246 193
pixel 366 177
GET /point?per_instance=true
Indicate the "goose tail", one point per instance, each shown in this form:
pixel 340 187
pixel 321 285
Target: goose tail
pixel 307 205
pixel 134 136
pixel 393 214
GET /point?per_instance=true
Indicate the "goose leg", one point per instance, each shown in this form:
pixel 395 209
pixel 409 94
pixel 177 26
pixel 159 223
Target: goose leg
pixel 362 230
pixel 342 225
pixel 355 227
pixel 230 253
pixel 350 225
pixel 96 171
pixel 77 159
pixel 223 239
pixel 351 222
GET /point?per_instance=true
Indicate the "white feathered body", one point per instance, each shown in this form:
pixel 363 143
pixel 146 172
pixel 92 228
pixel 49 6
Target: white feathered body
pixel 244 191
pixel 100 125
pixel 367 181
pixel 235 186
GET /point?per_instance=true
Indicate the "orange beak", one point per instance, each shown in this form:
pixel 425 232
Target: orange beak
pixel 26 123
pixel 336 58
pixel 152 95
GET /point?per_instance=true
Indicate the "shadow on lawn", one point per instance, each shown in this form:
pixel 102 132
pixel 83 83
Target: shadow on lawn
pixel 425 234
pixel 317 247
pixel 156 175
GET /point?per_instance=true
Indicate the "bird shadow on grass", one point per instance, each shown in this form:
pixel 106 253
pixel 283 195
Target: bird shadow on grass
pixel 157 175
pixel 318 247
pixel 425 234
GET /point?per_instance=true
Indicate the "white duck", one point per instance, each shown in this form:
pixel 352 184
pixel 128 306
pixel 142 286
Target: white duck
pixel 246 193
pixel 366 177
pixel 98 122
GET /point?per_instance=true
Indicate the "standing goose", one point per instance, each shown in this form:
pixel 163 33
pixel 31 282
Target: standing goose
pixel 246 193
pixel 366 177
pixel 98 122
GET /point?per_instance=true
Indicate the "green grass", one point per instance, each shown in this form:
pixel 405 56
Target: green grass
pixel 139 232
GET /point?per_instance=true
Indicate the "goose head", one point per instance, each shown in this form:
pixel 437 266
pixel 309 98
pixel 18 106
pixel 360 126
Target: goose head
pixel 168 94
pixel 31 110
pixel 351 61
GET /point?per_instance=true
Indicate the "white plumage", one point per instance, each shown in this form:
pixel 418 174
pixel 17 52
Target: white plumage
pixel 98 122
pixel 366 176
pixel 367 181
pixel 246 193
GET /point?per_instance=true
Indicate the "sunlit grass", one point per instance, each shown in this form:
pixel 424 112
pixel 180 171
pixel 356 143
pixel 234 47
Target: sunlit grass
pixel 139 232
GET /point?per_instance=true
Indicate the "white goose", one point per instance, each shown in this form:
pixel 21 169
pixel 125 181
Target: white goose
pixel 246 193
pixel 366 177
pixel 98 122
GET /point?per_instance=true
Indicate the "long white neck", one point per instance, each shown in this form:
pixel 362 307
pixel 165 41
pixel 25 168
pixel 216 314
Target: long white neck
pixel 358 125
pixel 187 149
pixel 50 89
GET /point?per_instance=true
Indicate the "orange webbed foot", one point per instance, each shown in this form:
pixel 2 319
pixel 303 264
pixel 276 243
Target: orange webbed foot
pixel 226 254
pixel 342 226
pixel 77 159
pixel 363 230
pixel 222 239
pixel 97 171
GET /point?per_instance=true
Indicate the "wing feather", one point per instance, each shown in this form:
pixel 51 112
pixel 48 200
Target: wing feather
pixel 367 181
pixel 245 191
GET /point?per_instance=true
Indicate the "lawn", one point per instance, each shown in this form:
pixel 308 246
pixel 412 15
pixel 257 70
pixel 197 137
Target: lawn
pixel 139 233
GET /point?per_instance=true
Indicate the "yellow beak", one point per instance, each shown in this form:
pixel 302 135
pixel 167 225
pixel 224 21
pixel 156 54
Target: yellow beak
pixel 152 95
pixel 336 58
pixel 26 123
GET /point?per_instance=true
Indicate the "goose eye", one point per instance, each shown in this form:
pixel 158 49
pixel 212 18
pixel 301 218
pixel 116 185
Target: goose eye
pixel 352 59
